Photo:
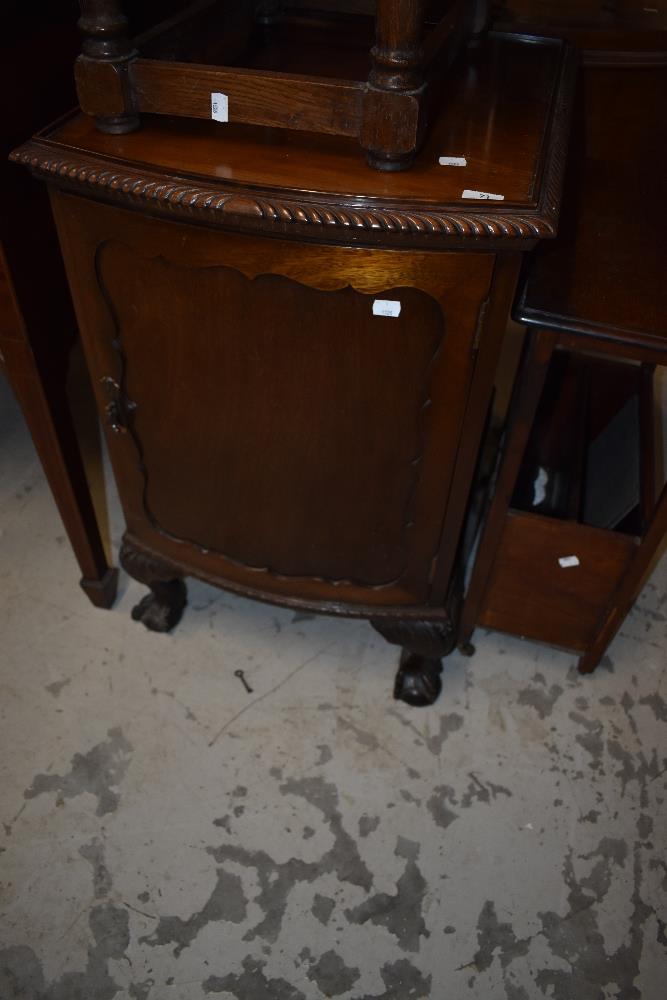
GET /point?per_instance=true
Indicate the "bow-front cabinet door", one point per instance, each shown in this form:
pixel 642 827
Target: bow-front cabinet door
pixel 283 418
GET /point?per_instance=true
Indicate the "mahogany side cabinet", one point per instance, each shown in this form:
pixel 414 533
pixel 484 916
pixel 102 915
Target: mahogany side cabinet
pixel 294 356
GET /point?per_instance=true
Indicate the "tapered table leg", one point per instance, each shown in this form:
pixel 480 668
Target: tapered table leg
pixel 39 384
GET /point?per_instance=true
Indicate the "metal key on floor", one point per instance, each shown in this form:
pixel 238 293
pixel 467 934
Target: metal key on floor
pixel 241 676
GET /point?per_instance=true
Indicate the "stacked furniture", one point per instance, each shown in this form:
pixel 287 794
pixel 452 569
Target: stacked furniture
pixel 294 354
pixel 277 64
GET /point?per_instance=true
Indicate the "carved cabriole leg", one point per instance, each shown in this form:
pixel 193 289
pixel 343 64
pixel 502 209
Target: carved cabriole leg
pixel 391 130
pixel 105 44
pixel 162 609
pixel 424 644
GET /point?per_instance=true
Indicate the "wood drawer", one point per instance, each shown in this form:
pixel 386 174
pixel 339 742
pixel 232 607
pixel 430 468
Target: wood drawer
pixel 531 595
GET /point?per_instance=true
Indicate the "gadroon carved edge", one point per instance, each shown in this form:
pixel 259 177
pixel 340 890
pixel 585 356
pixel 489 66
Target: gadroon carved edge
pixel 239 207
pixel 184 197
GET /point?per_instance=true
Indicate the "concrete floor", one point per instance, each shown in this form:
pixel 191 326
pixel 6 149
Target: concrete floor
pixel 165 834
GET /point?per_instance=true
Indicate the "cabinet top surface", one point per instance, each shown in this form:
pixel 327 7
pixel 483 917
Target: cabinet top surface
pixel 606 272
pixel 631 25
pixel 505 110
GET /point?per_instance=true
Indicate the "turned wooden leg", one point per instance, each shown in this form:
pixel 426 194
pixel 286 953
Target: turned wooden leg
pixel 106 47
pixel 424 644
pixel 393 118
pixel 36 337
pixel 161 609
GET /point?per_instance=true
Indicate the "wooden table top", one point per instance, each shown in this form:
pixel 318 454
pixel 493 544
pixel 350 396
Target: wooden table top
pixel 505 109
pixel 606 274
pixel 629 32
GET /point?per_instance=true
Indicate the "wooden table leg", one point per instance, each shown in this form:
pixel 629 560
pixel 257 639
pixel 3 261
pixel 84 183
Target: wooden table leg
pixel 41 392
pixel 393 119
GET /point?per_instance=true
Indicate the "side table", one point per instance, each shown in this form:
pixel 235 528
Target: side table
pixel 577 518
pixel 294 355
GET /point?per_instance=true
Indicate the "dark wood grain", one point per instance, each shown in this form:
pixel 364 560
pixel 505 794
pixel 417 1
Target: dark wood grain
pixel 269 432
pixel 256 97
pixel 537 357
pixel 531 595
pixel 599 291
pixel 37 326
pixel 387 112
pixel 353 420
pixel 106 46
pixel 512 125
pixel 628 33
pixel 605 276
pixel 630 585
pixel 491 326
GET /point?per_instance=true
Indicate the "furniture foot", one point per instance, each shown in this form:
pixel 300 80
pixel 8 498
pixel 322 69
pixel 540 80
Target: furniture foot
pixel 102 592
pixel 389 163
pixel 587 664
pixel 162 609
pixel 424 644
pixel 418 679
pixel 117 124
pixel 38 379
pixel 467 649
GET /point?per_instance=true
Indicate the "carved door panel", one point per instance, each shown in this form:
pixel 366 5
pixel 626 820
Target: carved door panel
pixel 272 430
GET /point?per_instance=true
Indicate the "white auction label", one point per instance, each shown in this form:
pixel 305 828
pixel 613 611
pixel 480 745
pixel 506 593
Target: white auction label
pixel 482 195
pixel 566 561
pixel 452 161
pixel 386 307
pixel 219 107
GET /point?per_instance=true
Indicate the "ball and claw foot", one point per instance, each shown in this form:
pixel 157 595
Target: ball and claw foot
pixel 161 609
pixel 418 679
pixel 467 649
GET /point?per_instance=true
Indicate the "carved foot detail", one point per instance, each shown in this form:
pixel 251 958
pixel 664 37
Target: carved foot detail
pixel 418 679
pixel 162 609
pixel 424 644
pixel 429 639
